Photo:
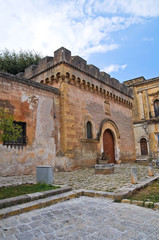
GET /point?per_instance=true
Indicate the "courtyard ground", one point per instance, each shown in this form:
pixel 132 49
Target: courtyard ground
pixel 87 179
pixel 84 218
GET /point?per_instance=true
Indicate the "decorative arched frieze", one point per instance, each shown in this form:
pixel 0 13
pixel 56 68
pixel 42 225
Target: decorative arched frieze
pixel 58 75
pixel 52 79
pixel 73 78
pixel 78 81
pixel 47 80
pixel 88 85
pixel 82 83
pixel 104 92
pixel 67 75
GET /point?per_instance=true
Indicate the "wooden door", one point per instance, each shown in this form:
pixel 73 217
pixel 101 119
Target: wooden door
pixel 108 146
pixel 143 146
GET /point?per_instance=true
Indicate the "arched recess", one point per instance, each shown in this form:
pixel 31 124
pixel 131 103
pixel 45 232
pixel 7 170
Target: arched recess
pixel 143 146
pixel 88 122
pixel 89 130
pixel 109 146
pixel 109 131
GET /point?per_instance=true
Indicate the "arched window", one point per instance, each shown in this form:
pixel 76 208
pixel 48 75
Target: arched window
pixel 156 108
pixel 89 130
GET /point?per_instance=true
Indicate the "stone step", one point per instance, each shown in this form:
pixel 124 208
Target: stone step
pixel 36 204
pixel 31 197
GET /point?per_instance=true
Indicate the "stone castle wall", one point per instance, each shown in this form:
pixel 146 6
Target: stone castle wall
pixel 79 106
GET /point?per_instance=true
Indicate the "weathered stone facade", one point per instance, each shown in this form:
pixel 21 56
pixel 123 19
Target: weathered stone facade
pixel 58 99
pixel 146 116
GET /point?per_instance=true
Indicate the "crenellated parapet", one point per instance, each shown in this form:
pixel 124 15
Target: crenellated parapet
pixel 63 56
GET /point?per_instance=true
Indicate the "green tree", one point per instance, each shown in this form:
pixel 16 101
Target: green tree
pixel 9 131
pixel 15 62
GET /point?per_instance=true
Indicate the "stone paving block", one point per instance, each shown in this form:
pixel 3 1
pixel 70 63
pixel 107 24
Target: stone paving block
pixel 156 205
pixel 36 195
pixel 88 193
pixel 139 203
pixel 126 201
pixel 120 195
pixel 149 204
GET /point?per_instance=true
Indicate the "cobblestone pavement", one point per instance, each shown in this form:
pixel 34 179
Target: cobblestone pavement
pixel 83 218
pixel 87 178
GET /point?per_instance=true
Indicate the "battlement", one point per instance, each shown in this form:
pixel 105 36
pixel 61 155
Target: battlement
pixel 62 55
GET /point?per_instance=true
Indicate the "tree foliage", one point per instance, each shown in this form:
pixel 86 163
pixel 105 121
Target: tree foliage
pixel 9 131
pixel 15 62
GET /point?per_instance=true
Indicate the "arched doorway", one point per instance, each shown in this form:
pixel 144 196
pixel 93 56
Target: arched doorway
pixel 143 146
pixel 108 146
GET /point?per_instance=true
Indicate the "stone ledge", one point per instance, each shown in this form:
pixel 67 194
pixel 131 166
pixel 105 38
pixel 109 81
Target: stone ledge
pixel 31 197
pixel 127 192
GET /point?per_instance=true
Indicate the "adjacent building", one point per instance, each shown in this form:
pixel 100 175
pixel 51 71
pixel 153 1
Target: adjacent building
pixel 146 116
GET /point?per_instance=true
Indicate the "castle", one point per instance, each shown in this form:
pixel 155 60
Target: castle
pixel 70 113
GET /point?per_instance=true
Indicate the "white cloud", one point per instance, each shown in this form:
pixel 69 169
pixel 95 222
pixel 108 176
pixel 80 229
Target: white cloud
pixel 46 25
pixel 147 39
pixel 114 68
pixel 141 8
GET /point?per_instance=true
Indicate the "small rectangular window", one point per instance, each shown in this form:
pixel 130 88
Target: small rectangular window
pixel 21 141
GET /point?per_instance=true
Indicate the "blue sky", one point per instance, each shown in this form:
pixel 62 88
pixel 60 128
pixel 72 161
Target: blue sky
pixel 121 37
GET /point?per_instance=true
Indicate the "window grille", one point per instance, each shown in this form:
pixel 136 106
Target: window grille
pixel 21 140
